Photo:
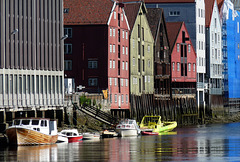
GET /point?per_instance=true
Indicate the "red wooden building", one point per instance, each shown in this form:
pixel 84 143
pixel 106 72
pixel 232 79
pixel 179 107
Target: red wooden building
pixel 96 50
pixel 183 60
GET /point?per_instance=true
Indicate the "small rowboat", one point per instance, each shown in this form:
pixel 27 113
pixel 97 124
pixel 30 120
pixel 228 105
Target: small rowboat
pixel 72 135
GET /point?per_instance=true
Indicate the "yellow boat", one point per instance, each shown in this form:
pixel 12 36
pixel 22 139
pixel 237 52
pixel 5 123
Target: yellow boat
pixel 152 125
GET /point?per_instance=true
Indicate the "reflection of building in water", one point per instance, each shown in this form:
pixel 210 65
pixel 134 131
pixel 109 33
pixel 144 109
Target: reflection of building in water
pixel 207 147
pixel 37 153
pixel 119 150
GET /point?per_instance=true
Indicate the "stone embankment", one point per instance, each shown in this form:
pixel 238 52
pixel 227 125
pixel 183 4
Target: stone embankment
pixel 229 118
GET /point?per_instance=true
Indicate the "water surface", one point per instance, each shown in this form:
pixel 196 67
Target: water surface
pixel 220 142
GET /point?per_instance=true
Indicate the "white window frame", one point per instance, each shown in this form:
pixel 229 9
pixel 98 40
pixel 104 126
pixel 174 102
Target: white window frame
pixel 134 61
pixel 114 15
pixel 123 50
pixel 121 17
pixel 126 64
pixel 126 98
pixel 178 66
pixel 113 64
pixel 114 48
pixel 126 35
pixel 110 32
pixel 115 83
pixel 123 34
pixel 123 65
pixel 122 98
pixel 126 50
pixel 115 98
pixel 189 48
pixel 178 47
pixel 126 82
pixel 110 81
pixel 173 66
pixel 189 66
pixel 114 32
pixel 194 67
pixel 110 48
pixel 121 82
pixel 110 64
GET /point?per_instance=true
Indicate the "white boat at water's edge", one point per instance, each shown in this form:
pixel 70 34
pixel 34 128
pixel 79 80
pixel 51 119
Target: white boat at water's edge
pixel 128 127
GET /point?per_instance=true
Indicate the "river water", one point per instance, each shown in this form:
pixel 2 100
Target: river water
pixel 218 142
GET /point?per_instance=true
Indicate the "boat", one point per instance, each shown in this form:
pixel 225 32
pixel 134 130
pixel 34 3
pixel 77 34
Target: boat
pixel 62 138
pixel 152 125
pixel 91 136
pixel 128 127
pixel 32 131
pixel 72 135
pixel 109 134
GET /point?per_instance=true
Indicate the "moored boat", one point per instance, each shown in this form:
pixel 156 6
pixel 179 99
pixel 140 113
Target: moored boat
pixel 152 125
pixel 128 127
pixel 72 135
pixel 62 138
pixel 109 134
pixel 91 136
pixel 32 131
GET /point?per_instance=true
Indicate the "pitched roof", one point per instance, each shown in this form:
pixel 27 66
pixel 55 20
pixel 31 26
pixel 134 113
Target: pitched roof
pixel 209 4
pixel 131 11
pixel 84 12
pixel 173 29
pixel 169 1
pixel 220 4
pixel 154 16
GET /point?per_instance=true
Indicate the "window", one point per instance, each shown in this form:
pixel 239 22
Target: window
pixel 126 35
pixel 173 66
pixel 110 31
pixel 189 66
pixel 149 63
pixel 110 98
pixel 148 79
pixel 139 67
pixel 143 50
pixel 213 53
pixel 110 81
pixel 143 65
pixel 174 13
pixel 194 66
pixel 133 61
pixel 110 48
pixel 123 34
pixel 123 65
pixel 115 98
pixel 114 15
pixel 113 32
pixel 110 65
pixel 126 50
pixel 126 98
pixel 126 82
pixel 215 38
pixel 92 81
pixel 189 48
pixel 115 81
pixel 67 64
pixel 122 98
pixel 113 64
pixel 123 49
pixel 67 48
pixel 126 65
pixel 237 27
pixel 133 43
pixel 65 10
pixel 215 23
pixel 121 82
pixel 199 12
pixel 122 17
pixel 68 32
pixel 92 64
pixel 148 48
pixel 178 47
pixel 178 66
pixel 114 48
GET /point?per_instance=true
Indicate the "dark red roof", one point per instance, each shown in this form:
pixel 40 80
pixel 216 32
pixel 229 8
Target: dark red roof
pixel 154 17
pixel 208 11
pixel 169 1
pixel 83 12
pixel 220 3
pixel 131 11
pixel 173 29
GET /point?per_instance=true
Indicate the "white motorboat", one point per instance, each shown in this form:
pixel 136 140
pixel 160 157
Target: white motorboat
pixel 62 138
pixel 72 135
pixel 91 136
pixel 128 127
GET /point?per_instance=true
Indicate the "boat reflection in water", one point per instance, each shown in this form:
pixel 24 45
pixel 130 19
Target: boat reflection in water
pixel 37 153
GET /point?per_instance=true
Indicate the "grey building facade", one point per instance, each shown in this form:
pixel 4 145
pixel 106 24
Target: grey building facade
pixel 31 59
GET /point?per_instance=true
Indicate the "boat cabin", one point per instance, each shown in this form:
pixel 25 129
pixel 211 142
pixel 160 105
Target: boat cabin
pixel 43 125
pixel 70 133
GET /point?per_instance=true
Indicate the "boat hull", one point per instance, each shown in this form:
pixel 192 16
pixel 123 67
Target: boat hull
pixel 127 132
pixel 149 133
pixel 75 139
pixel 24 136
